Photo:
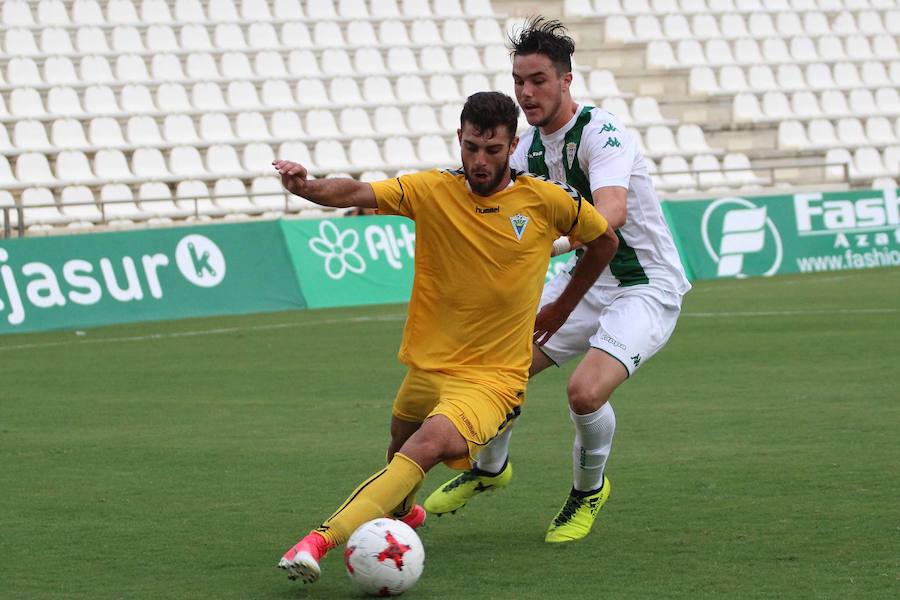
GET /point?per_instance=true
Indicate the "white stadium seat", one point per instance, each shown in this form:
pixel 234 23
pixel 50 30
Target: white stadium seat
pixel 880 132
pixel 389 120
pixel 111 165
pixel 378 90
pixel 327 34
pixel 330 156
pixel 257 158
pixel 194 38
pixel 26 102
pixel 20 42
pixel 186 162
pixel 40 206
pixel 821 134
pixel 30 135
pixel 52 12
pixel 268 193
pixel 432 149
pixel 136 99
pixel 105 133
pixel 619 107
pixel 179 129
pixel 355 122
pixel 131 67
pixel 72 165
pixel 55 40
pixel 149 163
pixel 64 100
pixel 117 202
pixel 422 119
pixel 297 152
pixel 321 123
pixel 364 154
pixel 251 125
pixel 216 127
pixel 17 13
pixel 77 202
pixel 286 124
pixel 231 195
pixel 353 9
pixel 32 167
pixel 91 39
pixel 344 91
pixel 384 8
pixel 201 65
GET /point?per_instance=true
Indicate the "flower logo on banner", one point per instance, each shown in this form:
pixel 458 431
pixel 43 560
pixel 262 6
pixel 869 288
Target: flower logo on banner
pixel 338 248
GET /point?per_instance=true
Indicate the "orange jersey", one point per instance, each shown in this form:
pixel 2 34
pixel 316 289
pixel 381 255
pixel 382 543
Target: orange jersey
pixel 479 268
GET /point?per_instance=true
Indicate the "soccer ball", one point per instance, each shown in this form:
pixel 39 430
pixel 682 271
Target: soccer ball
pixel 384 557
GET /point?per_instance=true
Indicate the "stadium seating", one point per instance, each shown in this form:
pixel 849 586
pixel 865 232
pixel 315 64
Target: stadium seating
pixel 143 111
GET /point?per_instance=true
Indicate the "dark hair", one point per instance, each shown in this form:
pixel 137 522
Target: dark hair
pixel 487 110
pixel 544 36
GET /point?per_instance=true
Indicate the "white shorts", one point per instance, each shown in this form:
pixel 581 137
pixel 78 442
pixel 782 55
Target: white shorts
pixel 630 324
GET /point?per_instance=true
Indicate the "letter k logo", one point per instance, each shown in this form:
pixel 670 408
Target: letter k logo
pixel 200 261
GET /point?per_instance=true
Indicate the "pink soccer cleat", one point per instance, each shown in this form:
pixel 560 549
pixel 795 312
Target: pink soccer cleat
pixel 302 560
pixel 415 517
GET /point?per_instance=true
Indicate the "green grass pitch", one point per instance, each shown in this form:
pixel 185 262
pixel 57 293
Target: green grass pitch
pixel 756 457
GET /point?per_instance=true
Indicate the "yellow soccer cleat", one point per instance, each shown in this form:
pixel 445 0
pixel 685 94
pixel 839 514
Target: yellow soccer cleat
pixel 577 515
pixel 454 494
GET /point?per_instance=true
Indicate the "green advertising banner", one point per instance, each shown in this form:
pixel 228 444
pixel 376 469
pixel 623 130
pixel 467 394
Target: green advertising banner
pixel 358 260
pixel 799 233
pixel 98 279
pixel 352 261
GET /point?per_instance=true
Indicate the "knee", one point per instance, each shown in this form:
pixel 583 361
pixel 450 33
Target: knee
pixel 584 397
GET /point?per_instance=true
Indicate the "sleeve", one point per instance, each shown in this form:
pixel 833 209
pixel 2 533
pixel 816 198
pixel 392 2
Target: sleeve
pixel 576 217
pixel 590 224
pixel 608 149
pixel 518 161
pixel 403 195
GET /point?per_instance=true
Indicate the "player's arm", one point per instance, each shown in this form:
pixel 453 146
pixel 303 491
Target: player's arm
pixel 612 203
pixel 337 193
pixel 597 254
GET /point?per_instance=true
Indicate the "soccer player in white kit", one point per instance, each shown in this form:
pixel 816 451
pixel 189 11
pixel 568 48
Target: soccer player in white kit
pixel 632 309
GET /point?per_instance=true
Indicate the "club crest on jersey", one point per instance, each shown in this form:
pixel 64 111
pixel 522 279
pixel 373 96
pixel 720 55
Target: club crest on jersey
pixel 519 223
pixel 571 147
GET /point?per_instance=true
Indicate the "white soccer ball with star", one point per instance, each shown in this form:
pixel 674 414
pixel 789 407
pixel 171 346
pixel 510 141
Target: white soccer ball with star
pixel 384 557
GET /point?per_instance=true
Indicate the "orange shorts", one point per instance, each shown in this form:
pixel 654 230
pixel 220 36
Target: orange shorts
pixel 480 411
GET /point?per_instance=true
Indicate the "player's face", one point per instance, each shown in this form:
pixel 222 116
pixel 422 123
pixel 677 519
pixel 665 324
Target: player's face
pixel 540 90
pixel 485 157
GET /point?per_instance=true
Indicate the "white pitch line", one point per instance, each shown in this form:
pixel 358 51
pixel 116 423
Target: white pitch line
pixel 199 332
pixel 794 313
pixel 402 316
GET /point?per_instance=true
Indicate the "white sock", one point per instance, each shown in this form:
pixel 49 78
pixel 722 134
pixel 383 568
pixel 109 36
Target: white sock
pixel 593 442
pixel 492 457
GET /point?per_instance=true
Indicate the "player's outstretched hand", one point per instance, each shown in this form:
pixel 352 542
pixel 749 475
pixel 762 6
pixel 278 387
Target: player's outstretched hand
pixel 293 176
pixel 548 321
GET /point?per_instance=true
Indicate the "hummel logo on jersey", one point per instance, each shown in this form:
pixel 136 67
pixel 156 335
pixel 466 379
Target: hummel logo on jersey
pixel 608 127
pixel 519 223
pixel 636 359
pixel 611 143
pixel 536 154
pixel 487 211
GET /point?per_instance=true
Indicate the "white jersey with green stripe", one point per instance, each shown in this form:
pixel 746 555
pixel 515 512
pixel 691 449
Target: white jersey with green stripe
pixel 594 150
